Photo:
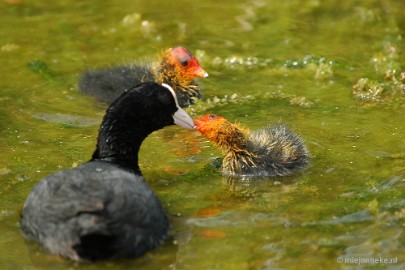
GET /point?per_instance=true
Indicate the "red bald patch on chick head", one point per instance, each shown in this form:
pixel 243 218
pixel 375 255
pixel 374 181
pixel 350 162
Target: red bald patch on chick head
pixel 186 63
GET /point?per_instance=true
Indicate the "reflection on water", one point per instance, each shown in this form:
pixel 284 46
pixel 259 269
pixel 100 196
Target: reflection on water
pixel 331 70
pixel 240 219
pixel 70 120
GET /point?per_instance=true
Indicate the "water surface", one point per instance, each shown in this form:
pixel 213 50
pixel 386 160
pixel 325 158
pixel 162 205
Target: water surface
pixel 294 62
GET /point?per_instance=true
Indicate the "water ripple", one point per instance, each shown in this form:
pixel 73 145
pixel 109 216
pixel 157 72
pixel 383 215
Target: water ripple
pixel 67 119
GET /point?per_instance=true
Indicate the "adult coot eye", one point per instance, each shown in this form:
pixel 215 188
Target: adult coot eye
pixel 184 63
pixel 212 116
pixel 165 97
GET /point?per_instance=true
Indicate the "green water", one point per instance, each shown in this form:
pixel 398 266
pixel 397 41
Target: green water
pixel 269 61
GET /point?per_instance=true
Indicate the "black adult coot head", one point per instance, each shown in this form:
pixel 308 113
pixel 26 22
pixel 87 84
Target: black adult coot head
pixel 104 209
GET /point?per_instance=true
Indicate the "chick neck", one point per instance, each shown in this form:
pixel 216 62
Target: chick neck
pixel 229 137
pixel 233 140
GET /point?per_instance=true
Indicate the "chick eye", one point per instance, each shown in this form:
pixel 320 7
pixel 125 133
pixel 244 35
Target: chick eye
pixel 211 116
pixel 184 63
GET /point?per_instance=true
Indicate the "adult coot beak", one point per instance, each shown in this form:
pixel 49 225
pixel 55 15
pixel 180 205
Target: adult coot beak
pixel 181 118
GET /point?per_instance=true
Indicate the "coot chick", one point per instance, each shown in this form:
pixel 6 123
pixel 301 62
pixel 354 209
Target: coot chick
pixel 177 67
pixel 271 151
pixel 104 209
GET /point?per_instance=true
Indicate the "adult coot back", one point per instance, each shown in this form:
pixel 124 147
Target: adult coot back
pixel 104 209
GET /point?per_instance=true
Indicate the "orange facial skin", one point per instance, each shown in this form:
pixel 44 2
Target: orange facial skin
pixel 178 67
pixel 190 67
pixel 221 132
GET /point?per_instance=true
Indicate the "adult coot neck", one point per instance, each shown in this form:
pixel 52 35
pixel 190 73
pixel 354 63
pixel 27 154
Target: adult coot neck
pixel 123 130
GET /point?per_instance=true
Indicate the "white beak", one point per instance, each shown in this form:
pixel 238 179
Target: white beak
pixel 181 118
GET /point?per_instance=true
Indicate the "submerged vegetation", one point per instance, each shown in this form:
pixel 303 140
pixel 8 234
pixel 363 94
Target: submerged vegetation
pixel 389 87
pixel 389 91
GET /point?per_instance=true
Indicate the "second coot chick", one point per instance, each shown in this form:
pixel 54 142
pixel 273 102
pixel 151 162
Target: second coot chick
pixel 104 209
pixel 177 67
pixel 272 151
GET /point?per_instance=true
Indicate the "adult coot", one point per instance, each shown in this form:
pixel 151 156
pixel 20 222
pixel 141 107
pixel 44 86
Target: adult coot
pixel 104 209
pixel 176 67
pixel 271 151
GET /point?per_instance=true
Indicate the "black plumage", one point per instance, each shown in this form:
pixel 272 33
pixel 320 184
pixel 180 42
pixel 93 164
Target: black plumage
pixel 107 84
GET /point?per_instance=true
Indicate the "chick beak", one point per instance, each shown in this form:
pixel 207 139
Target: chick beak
pixel 199 72
pixel 197 123
pixel 181 118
